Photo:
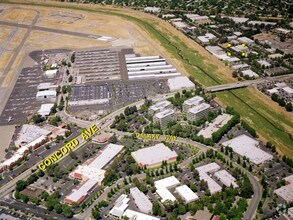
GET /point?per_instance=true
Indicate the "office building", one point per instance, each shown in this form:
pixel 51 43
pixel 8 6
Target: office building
pixel 199 111
pixel 164 117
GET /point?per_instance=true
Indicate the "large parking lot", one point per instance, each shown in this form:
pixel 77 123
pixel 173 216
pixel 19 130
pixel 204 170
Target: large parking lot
pixel 22 101
pixel 119 93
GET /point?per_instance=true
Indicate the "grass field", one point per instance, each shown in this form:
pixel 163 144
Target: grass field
pixel 271 124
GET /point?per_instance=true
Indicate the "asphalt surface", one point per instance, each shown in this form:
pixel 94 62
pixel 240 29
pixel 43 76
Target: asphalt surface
pixel 246 83
pixel 51 30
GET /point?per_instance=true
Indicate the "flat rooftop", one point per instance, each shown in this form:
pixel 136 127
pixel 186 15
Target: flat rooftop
pixel 153 155
pixel 164 113
pixel 196 100
pixel 247 146
pixel 219 122
pixel 199 108
pixel 160 105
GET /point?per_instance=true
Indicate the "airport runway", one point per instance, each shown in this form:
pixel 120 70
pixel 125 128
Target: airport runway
pixel 51 30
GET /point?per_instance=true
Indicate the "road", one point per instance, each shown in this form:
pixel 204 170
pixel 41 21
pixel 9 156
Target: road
pixel 87 213
pixel 252 206
pixel 245 83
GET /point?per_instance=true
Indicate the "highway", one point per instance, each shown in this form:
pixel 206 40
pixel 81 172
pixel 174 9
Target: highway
pixel 246 83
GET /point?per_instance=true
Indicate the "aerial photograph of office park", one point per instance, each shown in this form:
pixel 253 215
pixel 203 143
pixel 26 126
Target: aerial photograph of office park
pixel 146 110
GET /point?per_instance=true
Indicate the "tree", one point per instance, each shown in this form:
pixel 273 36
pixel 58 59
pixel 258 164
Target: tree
pixel 113 139
pixel 72 154
pixel 58 208
pixel 96 213
pixel 289 107
pixel 156 208
pixel 67 211
pixel 203 185
pixel 70 78
pixel 181 209
pixel 37 118
pixel 21 185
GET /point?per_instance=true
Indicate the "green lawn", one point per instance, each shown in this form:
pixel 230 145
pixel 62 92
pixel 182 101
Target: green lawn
pixel 269 124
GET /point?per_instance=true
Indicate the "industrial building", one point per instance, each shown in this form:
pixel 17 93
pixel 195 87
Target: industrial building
pixel 186 193
pixel 45 109
pixel 91 173
pixel 204 172
pixel 180 82
pixel 160 106
pixel 163 185
pixel 194 101
pixel 164 117
pixel 47 94
pixel 152 9
pixel 46 86
pixel 154 156
pixel 138 216
pixel 29 138
pixel 198 18
pixel 51 73
pixel 146 67
pixel 141 200
pixel 285 192
pixel 226 178
pixel 214 126
pixel 120 209
pixel 29 133
pixel 248 147
pixel 249 73
pixel 198 111
pixel 120 206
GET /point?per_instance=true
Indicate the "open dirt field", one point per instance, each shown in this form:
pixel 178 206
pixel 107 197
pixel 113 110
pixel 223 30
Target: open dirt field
pixel 18 15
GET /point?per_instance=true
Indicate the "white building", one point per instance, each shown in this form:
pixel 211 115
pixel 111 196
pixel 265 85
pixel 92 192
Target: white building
pixel 198 111
pixel 194 101
pixel 29 133
pixel 264 63
pixel 141 200
pixel 286 192
pixel 288 90
pixel 186 193
pixel 152 9
pixel 92 173
pixel 164 117
pixel 180 82
pixel 238 19
pixel 197 18
pixel 163 185
pixel 249 73
pixel 226 178
pixel 204 172
pixel 120 206
pixel 51 73
pixel 45 109
pixel 48 94
pixel 145 67
pixel 154 156
pixel 46 86
pixel 205 39
pixel 262 22
pixel 245 40
pixel 138 216
pixel 219 122
pixel 159 106
pixel 248 147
